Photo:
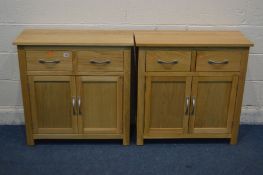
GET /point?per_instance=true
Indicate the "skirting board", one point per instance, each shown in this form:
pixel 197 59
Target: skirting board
pixel 10 115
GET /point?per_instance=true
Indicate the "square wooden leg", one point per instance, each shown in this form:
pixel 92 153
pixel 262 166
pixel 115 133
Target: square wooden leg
pixel 140 141
pixel 30 141
pixel 126 141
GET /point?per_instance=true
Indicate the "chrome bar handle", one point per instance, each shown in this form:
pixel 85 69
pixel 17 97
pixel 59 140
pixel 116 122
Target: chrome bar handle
pixel 100 62
pixel 193 104
pixel 167 62
pixel 79 105
pixel 187 105
pixel 48 62
pixel 218 62
pixel 74 105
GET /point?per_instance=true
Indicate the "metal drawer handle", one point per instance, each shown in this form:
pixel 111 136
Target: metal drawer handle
pixel 79 103
pixel 187 105
pixel 167 62
pixel 48 62
pixel 100 62
pixel 74 105
pixel 218 62
pixel 193 104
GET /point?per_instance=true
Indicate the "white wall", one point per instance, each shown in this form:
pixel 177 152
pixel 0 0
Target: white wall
pixel 15 15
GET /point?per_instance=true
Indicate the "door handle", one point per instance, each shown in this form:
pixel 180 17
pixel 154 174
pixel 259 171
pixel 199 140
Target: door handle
pixel 48 62
pixel 218 62
pixel 100 62
pixel 74 105
pixel 187 105
pixel 167 62
pixel 193 104
pixel 79 105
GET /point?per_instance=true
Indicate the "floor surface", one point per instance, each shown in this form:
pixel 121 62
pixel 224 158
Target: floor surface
pixel 162 157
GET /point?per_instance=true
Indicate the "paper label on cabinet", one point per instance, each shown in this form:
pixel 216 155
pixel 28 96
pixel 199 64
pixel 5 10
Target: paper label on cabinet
pixel 50 53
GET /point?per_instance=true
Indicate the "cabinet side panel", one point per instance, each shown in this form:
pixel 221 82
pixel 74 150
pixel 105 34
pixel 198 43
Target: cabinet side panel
pixel 239 98
pixel 126 97
pixel 25 94
pixel 140 98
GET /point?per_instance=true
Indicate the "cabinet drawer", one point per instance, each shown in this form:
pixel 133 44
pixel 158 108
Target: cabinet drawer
pixel 100 60
pixel 49 60
pixel 218 60
pixel 168 60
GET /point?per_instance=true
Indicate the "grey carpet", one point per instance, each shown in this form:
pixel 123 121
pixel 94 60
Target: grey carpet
pixel 162 157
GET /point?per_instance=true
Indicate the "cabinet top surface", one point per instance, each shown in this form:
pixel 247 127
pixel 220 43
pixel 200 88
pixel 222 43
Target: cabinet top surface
pixel 75 37
pixel 192 39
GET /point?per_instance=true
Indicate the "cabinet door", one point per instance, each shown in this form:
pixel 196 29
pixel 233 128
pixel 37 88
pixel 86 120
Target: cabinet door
pixel 51 104
pixel 213 101
pixel 100 108
pixel 166 110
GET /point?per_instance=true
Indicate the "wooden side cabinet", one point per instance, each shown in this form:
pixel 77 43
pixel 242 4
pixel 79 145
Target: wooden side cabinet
pixel 190 84
pixel 76 84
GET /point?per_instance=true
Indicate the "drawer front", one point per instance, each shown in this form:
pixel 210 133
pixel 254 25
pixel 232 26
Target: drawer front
pixel 218 60
pixel 168 60
pixel 49 60
pixel 100 60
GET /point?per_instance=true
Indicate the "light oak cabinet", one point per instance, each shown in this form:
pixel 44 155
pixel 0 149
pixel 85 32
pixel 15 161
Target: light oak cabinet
pixel 76 85
pixel 190 84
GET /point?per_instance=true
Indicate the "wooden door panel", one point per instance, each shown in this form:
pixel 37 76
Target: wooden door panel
pixel 101 104
pixel 215 100
pixel 165 104
pixel 51 104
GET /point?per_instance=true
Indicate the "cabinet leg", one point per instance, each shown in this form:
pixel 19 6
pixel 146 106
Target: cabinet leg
pixel 233 141
pixel 29 136
pixel 126 141
pixel 234 135
pixel 140 141
pixel 30 141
